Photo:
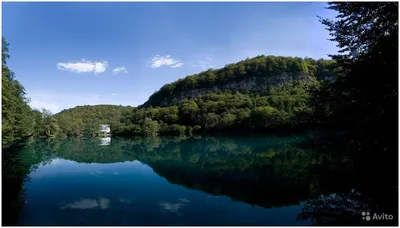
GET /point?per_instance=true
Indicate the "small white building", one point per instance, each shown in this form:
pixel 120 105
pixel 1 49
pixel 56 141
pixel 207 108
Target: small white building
pixel 105 129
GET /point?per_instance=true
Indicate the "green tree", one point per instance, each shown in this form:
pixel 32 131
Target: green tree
pixel 50 125
pixel 358 100
pixel 18 120
pixel 188 111
pixel 149 127
pixel 263 117
pixel 177 130
pixel 227 120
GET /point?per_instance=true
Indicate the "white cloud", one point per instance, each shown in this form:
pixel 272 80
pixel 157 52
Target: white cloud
pixel 177 65
pixel 113 94
pixel 209 58
pixel 119 70
pixel 159 61
pixel 84 66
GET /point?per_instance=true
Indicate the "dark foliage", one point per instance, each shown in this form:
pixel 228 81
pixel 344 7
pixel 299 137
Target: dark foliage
pixel 363 101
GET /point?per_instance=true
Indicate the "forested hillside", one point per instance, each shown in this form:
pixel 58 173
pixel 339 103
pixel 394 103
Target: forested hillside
pixel 260 94
pixel 251 75
pixel 86 119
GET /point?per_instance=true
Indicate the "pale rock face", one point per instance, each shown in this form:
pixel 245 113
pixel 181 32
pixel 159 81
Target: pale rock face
pixel 249 84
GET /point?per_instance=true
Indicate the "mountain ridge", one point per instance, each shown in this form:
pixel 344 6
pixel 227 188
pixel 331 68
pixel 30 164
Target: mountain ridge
pixel 250 75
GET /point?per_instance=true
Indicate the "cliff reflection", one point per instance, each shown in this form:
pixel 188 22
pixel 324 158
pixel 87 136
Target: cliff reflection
pixel 268 173
pixel 263 171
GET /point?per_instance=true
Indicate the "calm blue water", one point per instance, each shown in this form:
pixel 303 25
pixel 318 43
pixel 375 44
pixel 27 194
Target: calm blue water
pixel 166 181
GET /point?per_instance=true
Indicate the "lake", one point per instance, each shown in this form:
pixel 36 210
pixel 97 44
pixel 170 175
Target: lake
pixel 232 180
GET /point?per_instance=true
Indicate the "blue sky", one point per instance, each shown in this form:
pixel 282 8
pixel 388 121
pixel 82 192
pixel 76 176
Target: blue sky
pixel 68 54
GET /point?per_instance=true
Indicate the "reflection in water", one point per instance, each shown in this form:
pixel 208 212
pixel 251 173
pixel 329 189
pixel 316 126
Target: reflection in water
pixel 172 208
pixel 329 209
pixel 95 172
pixel 127 200
pixel 184 200
pixel 105 141
pixel 88 204
pixel 247 181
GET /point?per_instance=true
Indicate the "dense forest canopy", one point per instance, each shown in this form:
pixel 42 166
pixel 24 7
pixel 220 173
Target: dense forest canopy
pixel 87 119
pixel 255 74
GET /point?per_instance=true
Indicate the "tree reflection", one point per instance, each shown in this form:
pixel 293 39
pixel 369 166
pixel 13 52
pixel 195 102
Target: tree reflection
pixel 352 183
pixel 268 173
pixel 263 171
pixel 17 162
pixel 343 209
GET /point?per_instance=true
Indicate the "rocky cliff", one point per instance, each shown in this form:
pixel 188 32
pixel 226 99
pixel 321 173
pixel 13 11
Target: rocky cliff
pixel 250 84
pixel 250 75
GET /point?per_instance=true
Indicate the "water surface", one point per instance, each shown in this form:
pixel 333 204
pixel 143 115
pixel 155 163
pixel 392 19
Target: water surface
pixel 263 180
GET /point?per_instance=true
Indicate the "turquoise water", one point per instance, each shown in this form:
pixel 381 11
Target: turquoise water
pixel 166 181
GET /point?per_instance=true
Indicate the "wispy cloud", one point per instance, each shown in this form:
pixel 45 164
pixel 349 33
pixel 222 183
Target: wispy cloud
pixel 205 64
pixel 113 94
pixel 177 65
pixel 159 61
pixel 84 66
pixel 121 69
